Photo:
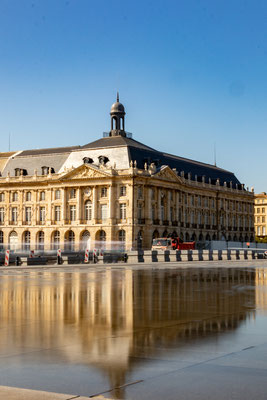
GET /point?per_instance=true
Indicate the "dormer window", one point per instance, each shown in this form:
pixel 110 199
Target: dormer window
pixel 103 160
pixel 20 171
pixel 88 160
pixel 45 170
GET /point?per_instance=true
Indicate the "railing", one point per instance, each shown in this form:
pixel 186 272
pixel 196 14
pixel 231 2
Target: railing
pixel 174 223
pixel 187 225
pixel 155 221
pixel 208 226
pixel 40 222
pixel 201 226
pixel 165 222
pixel 26 222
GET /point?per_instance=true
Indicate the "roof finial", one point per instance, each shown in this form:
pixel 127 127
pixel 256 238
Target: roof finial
pixel 118 97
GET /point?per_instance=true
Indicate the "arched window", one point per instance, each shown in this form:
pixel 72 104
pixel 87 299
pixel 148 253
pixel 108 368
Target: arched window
pixel 40 241
pixel 13 240
pixel 27 240
pixel 122 238
pixel 102 239
pixel 165 233
pixel 88 210
pixel 56 240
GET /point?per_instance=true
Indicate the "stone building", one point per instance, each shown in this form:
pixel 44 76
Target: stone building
pixel 261 215
pixel 117 191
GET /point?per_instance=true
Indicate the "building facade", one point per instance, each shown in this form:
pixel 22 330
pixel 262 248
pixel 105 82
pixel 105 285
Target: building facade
pixel 261 215
pixel 117 193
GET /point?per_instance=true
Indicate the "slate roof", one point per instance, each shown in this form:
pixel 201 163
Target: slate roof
pixel 137 151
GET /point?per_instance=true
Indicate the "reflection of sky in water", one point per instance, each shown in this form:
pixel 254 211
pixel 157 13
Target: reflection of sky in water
pixel 105 326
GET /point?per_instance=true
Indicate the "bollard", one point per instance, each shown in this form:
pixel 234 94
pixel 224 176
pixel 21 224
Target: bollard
pixel 95 258
pixel 17 261
pixel 59 259
pixel 86 256
pixel 7 258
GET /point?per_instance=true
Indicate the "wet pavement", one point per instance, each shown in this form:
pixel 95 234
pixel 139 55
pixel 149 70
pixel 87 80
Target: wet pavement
pixel 136 333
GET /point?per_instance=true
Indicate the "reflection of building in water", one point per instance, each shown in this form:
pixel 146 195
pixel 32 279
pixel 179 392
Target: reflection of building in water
pixel 106 318
pixel 261 290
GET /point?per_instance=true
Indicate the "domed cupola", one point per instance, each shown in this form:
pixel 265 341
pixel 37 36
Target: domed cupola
pixel 117 114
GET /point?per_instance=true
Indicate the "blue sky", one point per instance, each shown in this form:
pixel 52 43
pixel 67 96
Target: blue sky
pixel 190 74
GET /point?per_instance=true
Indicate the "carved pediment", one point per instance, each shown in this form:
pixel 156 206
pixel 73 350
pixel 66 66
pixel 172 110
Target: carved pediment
pixel 85 172
pixel 168 174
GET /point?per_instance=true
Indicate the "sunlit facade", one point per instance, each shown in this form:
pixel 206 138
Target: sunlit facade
pixel 117 193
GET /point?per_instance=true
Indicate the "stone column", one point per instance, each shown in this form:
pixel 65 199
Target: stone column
pixel 94 204
pixel 177 207
pixel 49 206
pixel 112 200
pixel 35 208
pixel 147 199
pixel 64 206
pixel 78 215
pixel 21 211
pixel 8 208
pixel 159 205
pixel 168 206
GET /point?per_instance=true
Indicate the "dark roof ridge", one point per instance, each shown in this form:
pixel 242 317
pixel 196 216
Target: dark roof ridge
pixel 49 150
pixel 196 162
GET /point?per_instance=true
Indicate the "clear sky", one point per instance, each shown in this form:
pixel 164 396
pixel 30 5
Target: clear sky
pixel 190 73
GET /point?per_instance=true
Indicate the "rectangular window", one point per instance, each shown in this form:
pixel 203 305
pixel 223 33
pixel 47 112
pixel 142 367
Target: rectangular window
pixel 42 196
pixel 73 194
pixel 263 210
pixel 152 194
pixel 140 192
pixel 258 210
pixel 212 203
pixel 14 214
pixel 42 214
pixel 123 211
pixel 2 196
pixel 2 214
pixel 104 211
pixel 104 192
pixel 15 196
pixel 259 231
pixel 263 219
pixel 258 219
pixel 123 191
pixel 28 214
pixel 263 231
pixel 57 194
pixel 57 213
pixel 73 213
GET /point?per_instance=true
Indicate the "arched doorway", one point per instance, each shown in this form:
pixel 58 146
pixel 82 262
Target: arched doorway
pixel 40 240
pixel 122 239
pixel 55 240
pixel 13 241
pixel 69 240
pixel 27 240
pixel 101 238
pixel 85 241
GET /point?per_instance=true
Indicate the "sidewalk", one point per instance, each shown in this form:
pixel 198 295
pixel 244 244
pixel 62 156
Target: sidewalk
pixel 11 393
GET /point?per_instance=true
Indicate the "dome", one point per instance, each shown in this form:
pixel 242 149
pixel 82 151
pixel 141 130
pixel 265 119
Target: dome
pixel 117 108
